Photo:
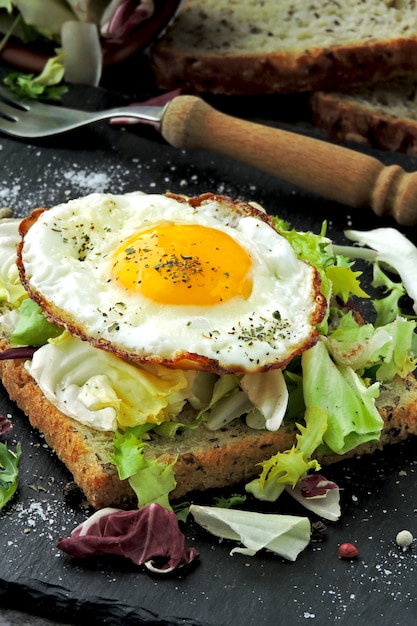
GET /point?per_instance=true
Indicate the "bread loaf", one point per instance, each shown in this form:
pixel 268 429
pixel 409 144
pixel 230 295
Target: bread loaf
pixel 259 47
pixel 382 116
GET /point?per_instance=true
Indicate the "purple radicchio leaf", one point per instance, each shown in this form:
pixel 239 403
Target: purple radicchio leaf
pixel 24 352
pixel 319 495
pixel 5 425
pixel 126 17
pixel 316 486
pixel 148 536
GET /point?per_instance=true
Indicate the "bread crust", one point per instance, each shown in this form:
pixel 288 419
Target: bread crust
pixel 279 72
pixel 348 119
pixel 205 459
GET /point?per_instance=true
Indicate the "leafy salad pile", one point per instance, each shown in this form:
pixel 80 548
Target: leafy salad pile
pixel 83 32
pixel 330 396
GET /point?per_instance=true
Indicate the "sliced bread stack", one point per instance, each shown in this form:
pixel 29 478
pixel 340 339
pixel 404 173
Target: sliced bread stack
pixel 382 115
pixel 266 46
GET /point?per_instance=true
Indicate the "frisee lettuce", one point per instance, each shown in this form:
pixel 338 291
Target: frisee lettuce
pixel 287 468
pixel 337 277
pixel 345 282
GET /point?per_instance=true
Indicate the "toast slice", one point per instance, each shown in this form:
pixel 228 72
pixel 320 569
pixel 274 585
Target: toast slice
pixel 206 459
pixel 382 115
pixel 244 47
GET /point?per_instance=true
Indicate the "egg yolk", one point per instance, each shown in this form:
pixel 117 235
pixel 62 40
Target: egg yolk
pixel 183 264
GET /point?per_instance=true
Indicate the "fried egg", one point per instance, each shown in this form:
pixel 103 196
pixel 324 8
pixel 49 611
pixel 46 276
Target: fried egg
pixel 199 283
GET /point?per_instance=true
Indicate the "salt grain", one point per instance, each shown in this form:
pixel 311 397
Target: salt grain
pixel 97 181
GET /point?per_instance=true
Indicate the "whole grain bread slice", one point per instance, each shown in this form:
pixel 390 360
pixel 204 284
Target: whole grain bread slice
pixel 382 115
pixel 205 459
pixel 245 47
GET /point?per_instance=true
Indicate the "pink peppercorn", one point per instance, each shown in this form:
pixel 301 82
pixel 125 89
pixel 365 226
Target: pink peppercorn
pixel 347 551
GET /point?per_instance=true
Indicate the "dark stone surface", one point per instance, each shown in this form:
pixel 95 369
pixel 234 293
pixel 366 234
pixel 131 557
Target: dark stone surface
pixel 378 493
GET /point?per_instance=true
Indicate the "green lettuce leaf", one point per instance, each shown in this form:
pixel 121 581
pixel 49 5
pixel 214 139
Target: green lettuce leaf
pixel 227 503
pixel 9 472
pixel 47 16
pixel 261 396
pixel 400 359
pixel 352 417
pixel 388 307
pixel 388 349
pixel 182 510
pixel 151 480
pixel 45 86
pixel 128 447
pixel 355 345
pixel 32 328
pixel 227 402
pixel 98 388
pixel 286 535
pixel 12 291
pixel 296 406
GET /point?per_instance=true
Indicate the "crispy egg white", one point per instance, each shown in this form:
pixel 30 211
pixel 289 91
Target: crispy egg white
pixel 199 283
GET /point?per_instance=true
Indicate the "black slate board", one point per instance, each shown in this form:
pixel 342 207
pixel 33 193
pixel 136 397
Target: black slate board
pixel 378 497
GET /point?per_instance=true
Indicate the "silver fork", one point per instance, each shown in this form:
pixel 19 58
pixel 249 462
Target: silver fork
pixel 30 119
pixel 328 170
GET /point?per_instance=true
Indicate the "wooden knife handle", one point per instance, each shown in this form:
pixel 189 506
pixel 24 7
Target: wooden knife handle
pixel 326 169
